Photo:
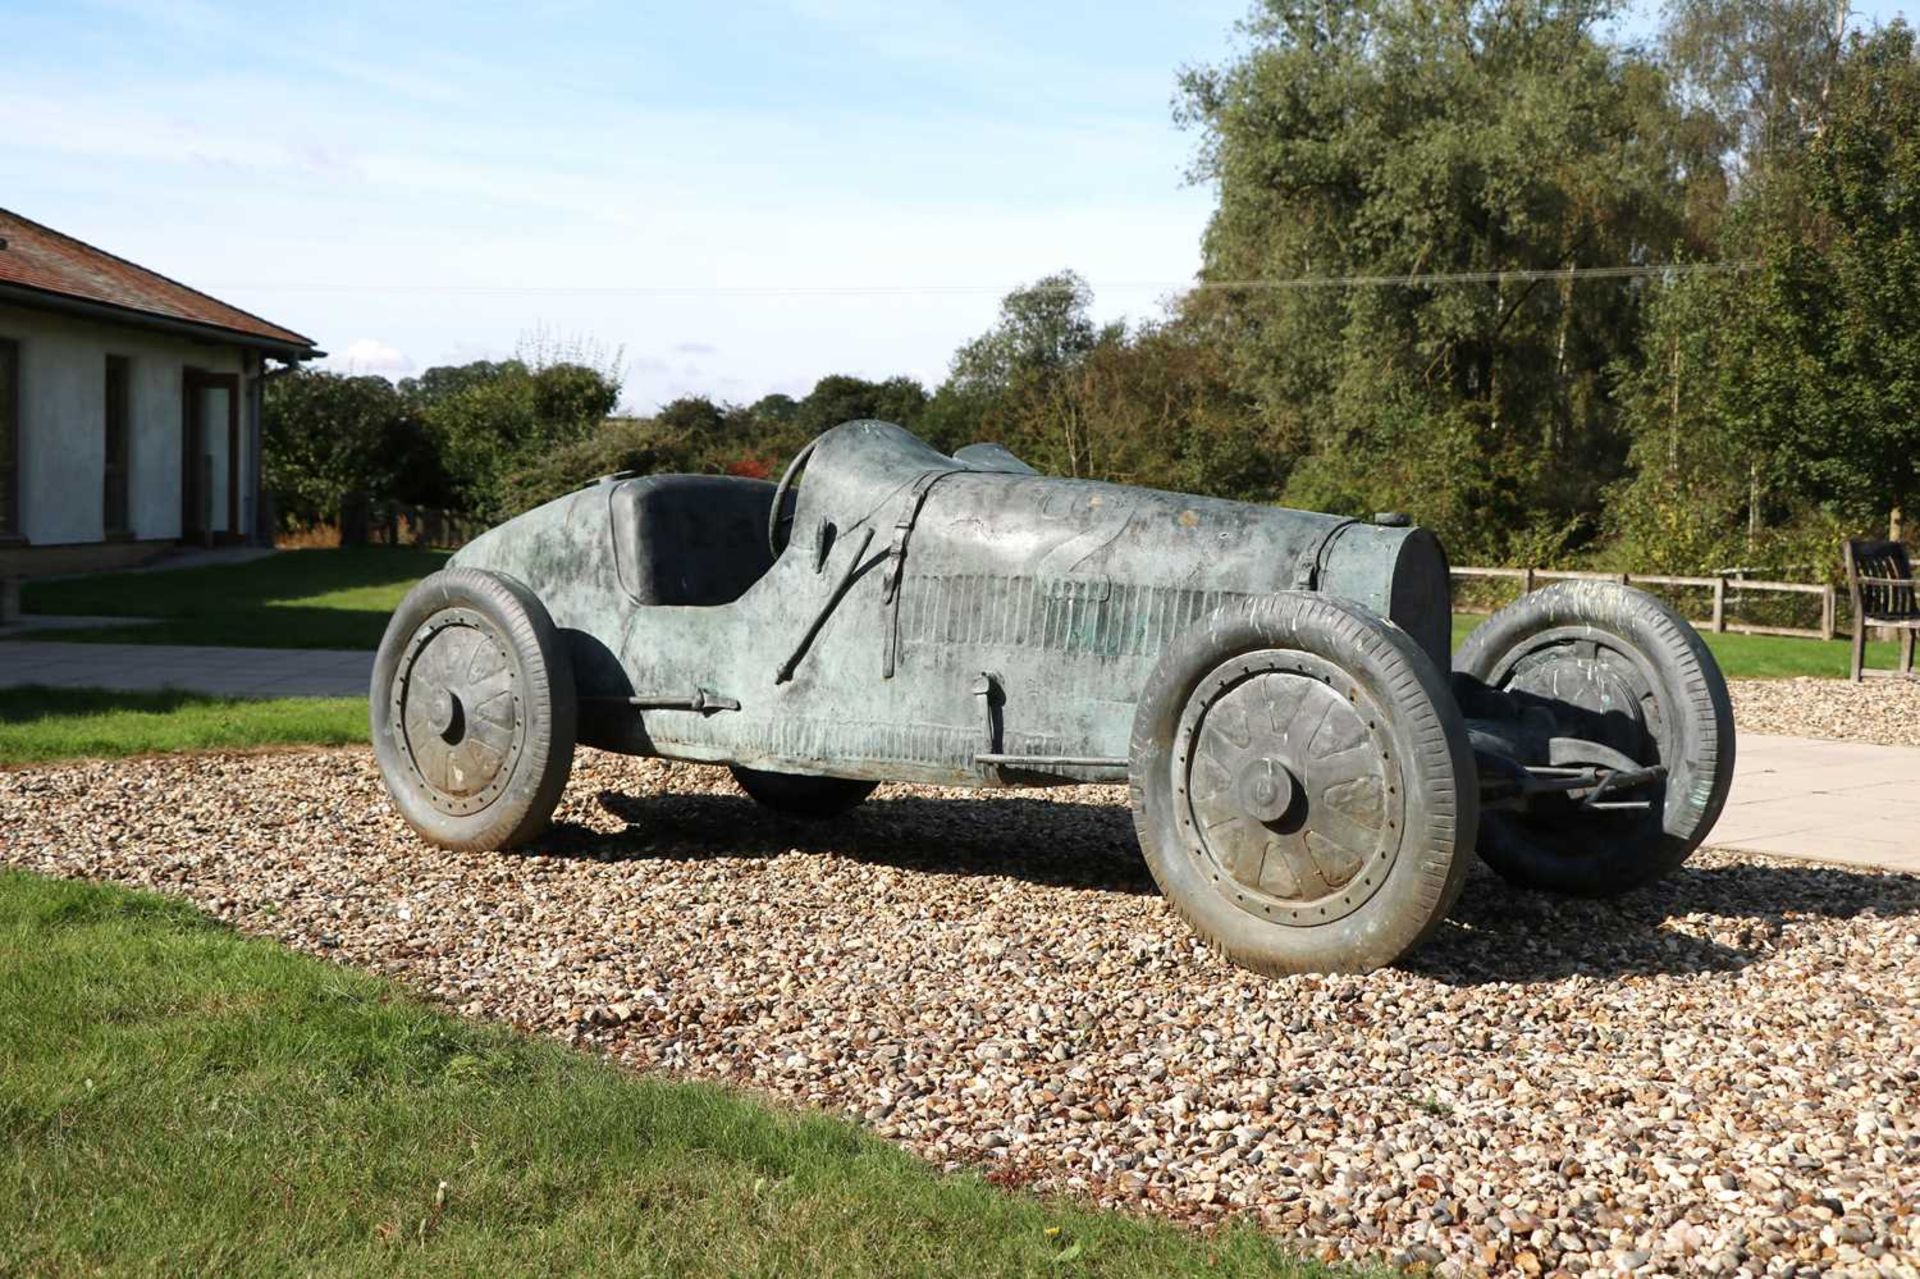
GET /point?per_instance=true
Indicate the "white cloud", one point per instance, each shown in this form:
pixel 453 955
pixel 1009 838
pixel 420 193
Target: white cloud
pixel 370 355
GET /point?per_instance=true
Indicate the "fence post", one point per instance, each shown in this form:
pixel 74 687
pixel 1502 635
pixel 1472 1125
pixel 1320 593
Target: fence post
pixel 1720 603
pixel 1526 582
pixel 1826 612
pixel 355 517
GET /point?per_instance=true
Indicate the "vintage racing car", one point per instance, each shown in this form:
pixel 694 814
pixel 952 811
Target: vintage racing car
pixel 1307 781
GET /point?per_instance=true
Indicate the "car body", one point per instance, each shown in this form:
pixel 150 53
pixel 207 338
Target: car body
pixel 977 623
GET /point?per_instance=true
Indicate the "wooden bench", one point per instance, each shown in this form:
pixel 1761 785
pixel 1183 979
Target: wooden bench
pixel 1880 582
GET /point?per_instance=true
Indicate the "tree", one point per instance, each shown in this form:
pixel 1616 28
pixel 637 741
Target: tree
pixel 1160 409
pixel 839 398
pixel 1015 381
pixel 1761 69
pixel 1781 403
pixel 1391 138
pixel 641 445
pixel 1044 329
pixel 326 434
pixel 1861 305
pixel 490 420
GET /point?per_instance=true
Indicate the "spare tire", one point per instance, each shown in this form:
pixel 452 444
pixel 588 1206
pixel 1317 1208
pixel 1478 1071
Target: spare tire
pixel 1604 664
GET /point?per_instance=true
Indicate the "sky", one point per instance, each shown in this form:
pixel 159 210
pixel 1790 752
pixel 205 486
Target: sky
pixel 728 199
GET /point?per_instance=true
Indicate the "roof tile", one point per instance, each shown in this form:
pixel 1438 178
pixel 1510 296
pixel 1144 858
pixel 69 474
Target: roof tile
pixel 38 257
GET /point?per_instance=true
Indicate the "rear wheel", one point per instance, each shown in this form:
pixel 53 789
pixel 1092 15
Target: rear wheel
pixel 802 796
pixel 1302 785
pixel 473 711
pixel 1613 678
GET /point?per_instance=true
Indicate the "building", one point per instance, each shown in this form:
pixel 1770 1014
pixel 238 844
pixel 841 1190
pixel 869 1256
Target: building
pixel 129 408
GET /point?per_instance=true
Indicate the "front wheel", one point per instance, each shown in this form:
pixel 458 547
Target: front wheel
pixel 473 711
pixel 1302 785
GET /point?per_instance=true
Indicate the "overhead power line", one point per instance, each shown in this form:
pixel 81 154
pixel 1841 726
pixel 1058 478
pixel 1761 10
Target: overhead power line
pixel 1413 281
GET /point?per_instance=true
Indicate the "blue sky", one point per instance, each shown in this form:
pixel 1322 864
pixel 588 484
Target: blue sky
pixel 705 188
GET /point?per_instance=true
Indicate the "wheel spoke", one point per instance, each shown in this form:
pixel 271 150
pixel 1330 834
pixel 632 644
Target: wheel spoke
pixel 458 667
pixel 1293 729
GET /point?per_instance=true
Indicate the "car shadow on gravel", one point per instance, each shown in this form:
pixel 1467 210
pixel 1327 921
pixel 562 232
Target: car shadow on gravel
pixel 1041 841
pixel 1702 919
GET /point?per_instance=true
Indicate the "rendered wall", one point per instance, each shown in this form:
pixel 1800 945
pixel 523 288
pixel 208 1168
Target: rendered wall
pixel 63 427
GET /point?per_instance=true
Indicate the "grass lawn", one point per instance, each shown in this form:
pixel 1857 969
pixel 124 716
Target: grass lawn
pixel 178 1099
pixel 38 724
pixel 339 598
pixel 1758 656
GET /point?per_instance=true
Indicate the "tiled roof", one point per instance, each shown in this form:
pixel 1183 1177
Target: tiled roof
pixel 40 258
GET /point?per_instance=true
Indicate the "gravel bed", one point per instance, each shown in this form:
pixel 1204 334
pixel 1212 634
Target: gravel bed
pixel 1883 711
pixel 1718 1075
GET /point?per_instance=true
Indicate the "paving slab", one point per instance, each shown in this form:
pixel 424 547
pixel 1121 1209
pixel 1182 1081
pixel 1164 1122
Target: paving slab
pixel 1827 801
pixel 226 672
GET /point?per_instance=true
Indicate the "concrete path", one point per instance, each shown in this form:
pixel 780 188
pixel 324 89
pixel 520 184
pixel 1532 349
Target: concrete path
pixel 28 623
pixel 228 672
pixel 1828 801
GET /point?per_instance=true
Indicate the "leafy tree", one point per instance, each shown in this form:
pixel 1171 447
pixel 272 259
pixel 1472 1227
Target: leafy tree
pixel 326 434
pixel 642 445
pixel 1781 404
pixel 1389 138
pixel 839 398
pixel 1015 382
pixel 1760 69
pixel 1044 329
pixel 490 420
pixel 1160 409
pixel 775 409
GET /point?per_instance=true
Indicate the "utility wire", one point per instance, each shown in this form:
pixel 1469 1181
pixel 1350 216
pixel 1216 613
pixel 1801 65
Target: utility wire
pixel 1412 281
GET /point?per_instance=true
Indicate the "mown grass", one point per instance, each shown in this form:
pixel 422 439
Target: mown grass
pixel 42 724
pixel 1757 656
pixel 330 598
pixel 177 1099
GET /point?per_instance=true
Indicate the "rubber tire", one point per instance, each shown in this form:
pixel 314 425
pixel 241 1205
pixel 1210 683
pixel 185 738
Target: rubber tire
pixel 1437 772
pixel 1701 771
pixel 544 674
pixel 798 795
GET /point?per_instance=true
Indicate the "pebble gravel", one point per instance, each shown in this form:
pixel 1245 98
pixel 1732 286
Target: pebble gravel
pixel 1718 1075
pixel 1886 712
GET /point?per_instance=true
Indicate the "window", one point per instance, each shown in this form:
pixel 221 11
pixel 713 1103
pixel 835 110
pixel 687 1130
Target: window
pixel 118 450
pixel 9 438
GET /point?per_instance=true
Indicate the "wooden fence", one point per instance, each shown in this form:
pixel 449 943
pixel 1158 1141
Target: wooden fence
pixel 364 523
pixel 1720 586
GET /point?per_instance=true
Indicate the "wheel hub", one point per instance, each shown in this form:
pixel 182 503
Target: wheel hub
pixel 446 716
pixel 1266 790
pixel 457 708
pixel 1289 787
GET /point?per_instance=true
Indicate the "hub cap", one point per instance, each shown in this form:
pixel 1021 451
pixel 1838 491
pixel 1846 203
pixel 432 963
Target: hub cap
pixel 1288 787
pixel 457 712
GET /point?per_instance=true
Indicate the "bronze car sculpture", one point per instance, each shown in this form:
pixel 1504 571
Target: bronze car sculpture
pixel 1306 781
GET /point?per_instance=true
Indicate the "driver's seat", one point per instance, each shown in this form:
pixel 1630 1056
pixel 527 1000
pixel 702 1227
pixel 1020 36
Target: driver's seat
pixel 690 539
